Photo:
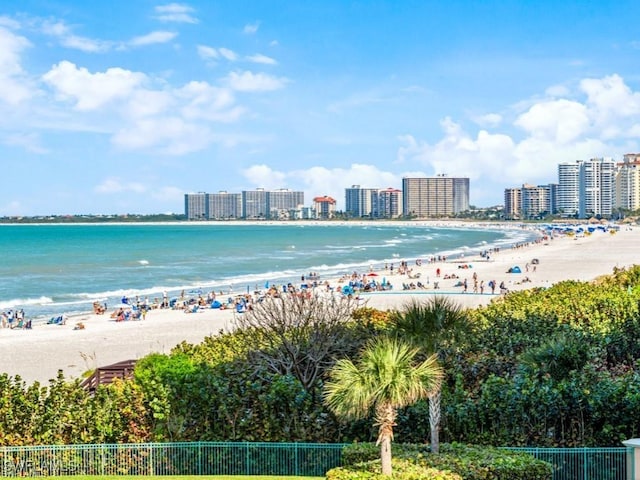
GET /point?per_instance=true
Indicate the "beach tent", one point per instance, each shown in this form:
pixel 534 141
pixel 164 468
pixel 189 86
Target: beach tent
pixel 515 269
pixel 216 304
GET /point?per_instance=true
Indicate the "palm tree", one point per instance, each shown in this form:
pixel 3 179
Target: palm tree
pixel 431 326
pixel 384 379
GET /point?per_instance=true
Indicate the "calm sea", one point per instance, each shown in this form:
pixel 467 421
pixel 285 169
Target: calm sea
pixel 49 270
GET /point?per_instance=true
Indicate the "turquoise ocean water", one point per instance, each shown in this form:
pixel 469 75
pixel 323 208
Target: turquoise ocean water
pixel 49 270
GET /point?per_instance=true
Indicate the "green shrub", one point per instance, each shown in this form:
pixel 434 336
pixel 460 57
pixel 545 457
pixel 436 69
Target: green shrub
pixel 470 462
pixel 402 470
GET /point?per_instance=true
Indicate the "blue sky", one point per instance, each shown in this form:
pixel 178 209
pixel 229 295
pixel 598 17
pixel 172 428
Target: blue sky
pixel 123 106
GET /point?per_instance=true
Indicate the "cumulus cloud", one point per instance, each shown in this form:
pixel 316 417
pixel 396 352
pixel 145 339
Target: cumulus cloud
pixel 254 82
pixel 14 86
pixel 561 120
pixel 91 90
pixel 204 101
pixel 166 135
pixel 259 58
pixel 598 117
pixel 175 12
pixel 153 38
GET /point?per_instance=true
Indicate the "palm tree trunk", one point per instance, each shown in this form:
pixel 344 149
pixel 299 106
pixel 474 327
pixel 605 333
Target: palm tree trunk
pixel 386 419
pixel 434 420
pixel 385 455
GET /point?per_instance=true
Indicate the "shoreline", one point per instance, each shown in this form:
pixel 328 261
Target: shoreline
pixel 53 303
pixel 37 354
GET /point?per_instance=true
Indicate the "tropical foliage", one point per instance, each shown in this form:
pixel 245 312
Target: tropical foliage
pixel 383 379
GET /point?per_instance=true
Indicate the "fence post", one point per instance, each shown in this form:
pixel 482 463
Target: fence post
pixel 633 458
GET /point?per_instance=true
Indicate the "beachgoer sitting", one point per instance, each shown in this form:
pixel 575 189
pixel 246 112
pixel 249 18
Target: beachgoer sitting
pixel 98 308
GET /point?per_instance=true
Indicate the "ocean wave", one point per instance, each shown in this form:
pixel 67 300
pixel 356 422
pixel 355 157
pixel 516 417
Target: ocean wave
pixel 23 302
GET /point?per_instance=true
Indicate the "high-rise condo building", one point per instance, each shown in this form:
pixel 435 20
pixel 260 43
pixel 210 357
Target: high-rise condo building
pixel 359 202
pixel 512 203
pixel 254 204
pixel 434 196
pixel 387 203
pixel 569 188
pixel 281 203
pixel 195 206
pixel 224 206
pixel 597 182
pixel 627 188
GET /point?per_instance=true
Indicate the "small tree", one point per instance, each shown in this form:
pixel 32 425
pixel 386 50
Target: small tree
pixel 300 335
pixel 384 379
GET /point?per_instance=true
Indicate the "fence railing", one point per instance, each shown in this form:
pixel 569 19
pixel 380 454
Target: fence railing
pixel 198 458
pixel 614 463
pixel 226 458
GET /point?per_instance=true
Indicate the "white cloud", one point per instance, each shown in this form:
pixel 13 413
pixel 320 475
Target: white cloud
pixel 604 122
pixel 91 90
pixel 146 103
pixel 153 38
pixel 207 53
pixel 251 28
pixel 175 12
pixel 14 86
pixel 115 185
pixel 611 96
pixel 166 135
pixel 489 120
pixel 68 39
pixel 254 82
pixel 259 58
pixel 9 22
pixel 559 120
pixel 228 54
pixel 204 101
pixel 262 176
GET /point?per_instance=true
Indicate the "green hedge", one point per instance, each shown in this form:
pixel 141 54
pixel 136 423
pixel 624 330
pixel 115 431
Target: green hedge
pixel 463 461
pixel 402 470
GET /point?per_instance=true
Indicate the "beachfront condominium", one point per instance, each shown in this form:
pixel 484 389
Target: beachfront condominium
pixel 325 207
pixel 282 203
pixel 434 196
pixel 512 203
pixel 387 203
pixel 530 201
pixel 254 204
pixel 569 188
pixel 537 201
pixel 373 202
pixel 586 188
pixel 224 206
pixel 597 183
pixel 195 206
pixel 249 205
pixel 627 188
pixel 274 204
pixel 359 202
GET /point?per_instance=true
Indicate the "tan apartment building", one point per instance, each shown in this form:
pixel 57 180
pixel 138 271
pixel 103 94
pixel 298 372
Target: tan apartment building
pixel 438 196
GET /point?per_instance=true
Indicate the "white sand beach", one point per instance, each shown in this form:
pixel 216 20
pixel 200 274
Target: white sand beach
pixel 37 354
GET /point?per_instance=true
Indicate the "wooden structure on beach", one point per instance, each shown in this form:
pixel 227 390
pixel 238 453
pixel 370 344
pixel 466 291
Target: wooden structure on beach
pixel 106 375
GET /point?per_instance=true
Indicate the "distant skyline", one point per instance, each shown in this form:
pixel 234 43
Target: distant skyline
pixel 124 106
